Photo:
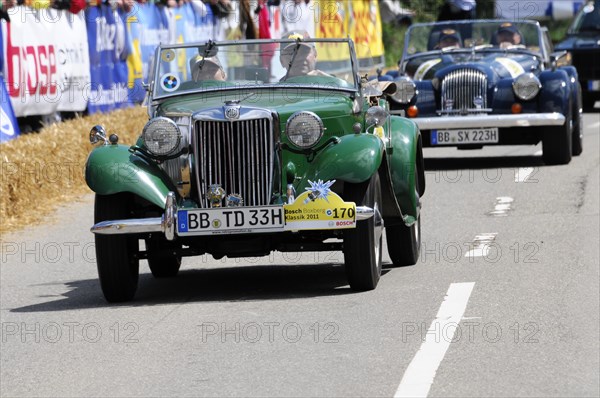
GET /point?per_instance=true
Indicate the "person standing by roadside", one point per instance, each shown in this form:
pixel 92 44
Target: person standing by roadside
pixel 298 15
pixel 458 9
pixel 4 6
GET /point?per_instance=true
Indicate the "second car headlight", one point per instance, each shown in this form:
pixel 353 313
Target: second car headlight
pixel 304 129
pixel 526 86
pixel 406 90
pixel 161 136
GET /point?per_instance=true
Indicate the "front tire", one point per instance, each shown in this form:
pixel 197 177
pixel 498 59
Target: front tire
pixel 362 245
pixel 116 255
pixel 557 142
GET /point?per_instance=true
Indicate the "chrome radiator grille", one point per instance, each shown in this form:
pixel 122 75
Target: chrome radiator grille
pixel 464 89
pixel 238 155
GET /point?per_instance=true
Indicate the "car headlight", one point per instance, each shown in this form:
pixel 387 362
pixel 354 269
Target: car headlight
pixel 406 90
pixel 304 129
pixel 376 115
pixel 161 136
pixel 526 86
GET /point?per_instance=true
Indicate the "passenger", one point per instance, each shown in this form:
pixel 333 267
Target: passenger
pixel 208 68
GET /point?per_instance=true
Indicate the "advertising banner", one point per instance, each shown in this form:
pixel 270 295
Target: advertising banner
pixel 9 128
pixel 72 61
pixel 46 66
pixel 135 64
pixel 30 61
pixel 108 65
pixel 358 19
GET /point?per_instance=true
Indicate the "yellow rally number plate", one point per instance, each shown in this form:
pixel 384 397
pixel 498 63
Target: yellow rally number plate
pixel 310 212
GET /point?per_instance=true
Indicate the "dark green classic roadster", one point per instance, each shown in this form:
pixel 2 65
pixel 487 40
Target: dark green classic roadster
pixel 252 147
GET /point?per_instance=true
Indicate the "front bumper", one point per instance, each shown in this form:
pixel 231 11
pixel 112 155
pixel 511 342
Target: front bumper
pixel 483 121
pixel 167 223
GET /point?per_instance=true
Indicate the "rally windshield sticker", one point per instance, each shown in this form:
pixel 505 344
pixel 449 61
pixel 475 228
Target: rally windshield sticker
pixel 169 82
pixel 167 55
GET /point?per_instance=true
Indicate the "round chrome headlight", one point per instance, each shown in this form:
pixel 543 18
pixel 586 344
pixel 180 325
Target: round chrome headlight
pixel 161 136
pixel 526 86
pixel 304 129
pixel 376 115
pixel 406 90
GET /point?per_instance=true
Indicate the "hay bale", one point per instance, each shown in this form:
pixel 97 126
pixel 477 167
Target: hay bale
pixel 41 170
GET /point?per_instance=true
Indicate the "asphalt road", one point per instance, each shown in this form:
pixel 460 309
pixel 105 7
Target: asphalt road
pixel 503 302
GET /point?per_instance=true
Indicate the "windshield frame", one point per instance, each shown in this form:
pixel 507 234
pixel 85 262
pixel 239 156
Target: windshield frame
pixel 155 94
pixel 406 56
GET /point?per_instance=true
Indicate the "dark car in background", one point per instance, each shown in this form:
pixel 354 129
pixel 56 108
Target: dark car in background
pixel 583 42
pixel 466 87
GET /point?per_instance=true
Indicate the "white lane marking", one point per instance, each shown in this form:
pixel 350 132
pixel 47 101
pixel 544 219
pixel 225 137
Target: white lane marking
pixel 502 206
pixel 538 153
pixel 523 173
pixel 594 125
pixel 481 245
pixel 421 371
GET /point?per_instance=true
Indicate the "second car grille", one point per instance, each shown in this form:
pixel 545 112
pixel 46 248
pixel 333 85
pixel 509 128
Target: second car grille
pixel 462 88
pixel 238 155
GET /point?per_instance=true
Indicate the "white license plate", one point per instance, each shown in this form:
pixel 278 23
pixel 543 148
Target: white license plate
pixel 465 136
pixel 230 220
pixel 593 85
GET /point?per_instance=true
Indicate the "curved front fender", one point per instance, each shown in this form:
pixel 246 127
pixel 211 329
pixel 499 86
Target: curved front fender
pixel 113 169
pixel 355 158
pixel 402 160
pixel 556 91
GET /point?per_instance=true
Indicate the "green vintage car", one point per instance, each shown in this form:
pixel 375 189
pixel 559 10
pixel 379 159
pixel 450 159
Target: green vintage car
pixel 245 153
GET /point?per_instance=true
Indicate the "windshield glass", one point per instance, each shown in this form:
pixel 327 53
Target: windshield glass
pixel 211 66
pixel 462 35
pixel 588 19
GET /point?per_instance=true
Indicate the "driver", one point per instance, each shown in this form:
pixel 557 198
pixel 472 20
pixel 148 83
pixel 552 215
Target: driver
pixel 507 35
pixel 206 68
pixel 449 38
pixel 304 62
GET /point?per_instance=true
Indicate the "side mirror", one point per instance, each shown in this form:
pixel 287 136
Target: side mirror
pixel 97 133
pixel 560 58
